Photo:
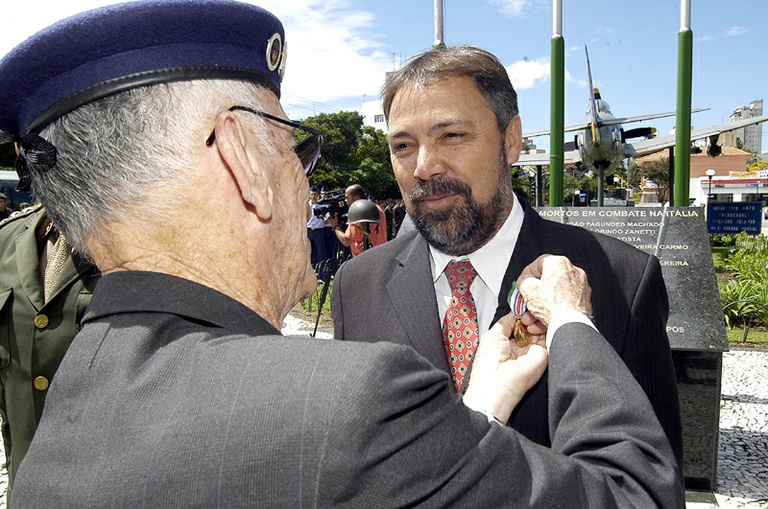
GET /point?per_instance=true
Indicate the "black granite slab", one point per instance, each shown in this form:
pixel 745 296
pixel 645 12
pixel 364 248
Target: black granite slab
pixel 678 237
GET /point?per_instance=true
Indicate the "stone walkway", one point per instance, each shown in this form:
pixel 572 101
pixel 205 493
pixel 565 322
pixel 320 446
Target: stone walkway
pixel 742 474
pixel 742 467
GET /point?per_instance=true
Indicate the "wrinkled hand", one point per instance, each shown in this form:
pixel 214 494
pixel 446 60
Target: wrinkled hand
pixel 551 284
pixel 502 372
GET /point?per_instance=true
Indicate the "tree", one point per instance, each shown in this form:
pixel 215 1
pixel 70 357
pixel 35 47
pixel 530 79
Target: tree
pixel 571 189
pixel 633 174
pixel 353 154
pixel 658 172
pixel 377 177
pixel 524 184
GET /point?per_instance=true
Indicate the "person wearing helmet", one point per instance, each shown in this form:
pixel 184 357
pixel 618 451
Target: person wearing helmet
pixel 367 222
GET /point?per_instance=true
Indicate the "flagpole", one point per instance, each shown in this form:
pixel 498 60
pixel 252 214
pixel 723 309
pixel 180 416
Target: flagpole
pixel 557 115
pixel 683 119
pixel 439 25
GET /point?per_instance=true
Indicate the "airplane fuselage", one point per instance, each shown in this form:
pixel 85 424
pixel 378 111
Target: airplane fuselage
pixel 601 146
pixel 601 142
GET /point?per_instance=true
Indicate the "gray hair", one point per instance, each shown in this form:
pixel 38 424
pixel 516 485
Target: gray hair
pixel 126 155
pixel 483 68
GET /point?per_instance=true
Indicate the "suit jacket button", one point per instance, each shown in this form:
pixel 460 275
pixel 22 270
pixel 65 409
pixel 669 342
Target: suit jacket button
pixel 41 383
pixel 41 321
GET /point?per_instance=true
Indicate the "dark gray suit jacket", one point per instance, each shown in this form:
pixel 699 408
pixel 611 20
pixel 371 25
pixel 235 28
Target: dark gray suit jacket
pixel 174 395
pixel 387 295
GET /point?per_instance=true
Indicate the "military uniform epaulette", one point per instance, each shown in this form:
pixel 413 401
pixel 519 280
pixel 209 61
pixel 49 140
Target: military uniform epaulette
pixel 19 214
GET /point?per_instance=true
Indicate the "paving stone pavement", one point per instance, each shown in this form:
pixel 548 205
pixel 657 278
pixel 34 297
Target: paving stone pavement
pixel 742 473
pixel 742 466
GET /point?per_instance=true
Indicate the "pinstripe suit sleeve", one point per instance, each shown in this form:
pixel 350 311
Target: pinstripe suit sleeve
pixel 600 417
pixel 415 443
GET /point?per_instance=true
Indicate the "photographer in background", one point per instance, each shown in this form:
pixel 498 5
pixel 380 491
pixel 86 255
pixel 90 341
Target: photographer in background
pixel 320 234
pixel 354 236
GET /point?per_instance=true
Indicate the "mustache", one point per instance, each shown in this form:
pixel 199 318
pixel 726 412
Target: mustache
pixel 425 189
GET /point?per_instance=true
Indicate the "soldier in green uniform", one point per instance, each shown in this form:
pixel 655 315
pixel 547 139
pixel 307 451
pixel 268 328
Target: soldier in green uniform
pixel 44 291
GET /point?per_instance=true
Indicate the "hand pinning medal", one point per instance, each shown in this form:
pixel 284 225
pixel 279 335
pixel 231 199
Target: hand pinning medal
pixel 517 304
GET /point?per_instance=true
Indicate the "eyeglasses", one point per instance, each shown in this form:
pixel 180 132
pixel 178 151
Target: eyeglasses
pixel 307 150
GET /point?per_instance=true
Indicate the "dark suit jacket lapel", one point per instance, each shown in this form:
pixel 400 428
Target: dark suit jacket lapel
pixel 412 296
pixel 530 244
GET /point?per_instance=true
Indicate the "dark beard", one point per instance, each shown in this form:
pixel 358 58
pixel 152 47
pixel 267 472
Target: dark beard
pixel 468 225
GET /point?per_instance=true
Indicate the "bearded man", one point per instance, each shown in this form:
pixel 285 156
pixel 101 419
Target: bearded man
pixel 454 131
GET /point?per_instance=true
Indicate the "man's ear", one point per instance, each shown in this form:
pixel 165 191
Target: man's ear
pixel 513 140
pixel 247 171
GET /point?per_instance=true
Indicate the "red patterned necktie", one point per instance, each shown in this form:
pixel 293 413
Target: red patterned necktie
pixel 460 329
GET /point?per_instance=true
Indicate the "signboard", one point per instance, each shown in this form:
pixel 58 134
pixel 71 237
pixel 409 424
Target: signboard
pixel 748 174
pixel 734 217
pixel 677 236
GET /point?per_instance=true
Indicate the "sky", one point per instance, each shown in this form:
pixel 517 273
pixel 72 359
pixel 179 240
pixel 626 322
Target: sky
pixel 340 50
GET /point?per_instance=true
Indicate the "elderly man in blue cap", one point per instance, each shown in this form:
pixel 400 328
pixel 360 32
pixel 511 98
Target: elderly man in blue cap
pixel 179 391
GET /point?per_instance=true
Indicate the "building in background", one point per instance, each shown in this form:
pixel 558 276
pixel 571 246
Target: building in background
pixel 730 181
pixel 373 115
pixel 750 136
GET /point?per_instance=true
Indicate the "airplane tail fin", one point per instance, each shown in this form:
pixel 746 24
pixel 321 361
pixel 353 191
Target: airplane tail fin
pixel 592 102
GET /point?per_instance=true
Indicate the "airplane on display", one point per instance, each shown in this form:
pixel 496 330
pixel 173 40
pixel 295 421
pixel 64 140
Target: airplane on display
pixel 601 143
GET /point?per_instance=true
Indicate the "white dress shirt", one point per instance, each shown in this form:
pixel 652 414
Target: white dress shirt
pixel 490 262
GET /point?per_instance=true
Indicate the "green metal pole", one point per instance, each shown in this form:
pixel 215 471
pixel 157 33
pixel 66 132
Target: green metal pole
pixel 683 119
pixel 557 117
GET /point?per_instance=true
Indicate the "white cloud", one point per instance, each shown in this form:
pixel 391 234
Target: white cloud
pixel 574 49
pixel 735 31
pixel 732 31
pixel 570 78
pixel 527 73
pixel 511 8
pixel 333 55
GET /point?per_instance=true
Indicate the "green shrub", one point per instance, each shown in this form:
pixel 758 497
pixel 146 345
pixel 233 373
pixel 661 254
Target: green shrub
pixel 719 257
pixel 719 239
pixel 745 303
pixel 750 259
pixel 745 297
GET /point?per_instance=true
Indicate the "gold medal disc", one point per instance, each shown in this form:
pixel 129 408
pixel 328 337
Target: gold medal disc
pixel 523 338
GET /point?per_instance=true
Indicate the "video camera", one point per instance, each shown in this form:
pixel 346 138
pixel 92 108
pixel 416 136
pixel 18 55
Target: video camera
pixel 333 205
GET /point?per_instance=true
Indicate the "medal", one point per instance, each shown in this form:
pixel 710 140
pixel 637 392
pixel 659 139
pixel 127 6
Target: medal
pixel 517 305
pixel 522 336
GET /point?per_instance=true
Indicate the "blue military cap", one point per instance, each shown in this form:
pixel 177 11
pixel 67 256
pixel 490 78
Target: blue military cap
pixel 119 47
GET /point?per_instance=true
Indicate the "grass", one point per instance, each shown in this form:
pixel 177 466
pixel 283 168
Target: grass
pixel 756 338
pixel 307 309
pixel 719 256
